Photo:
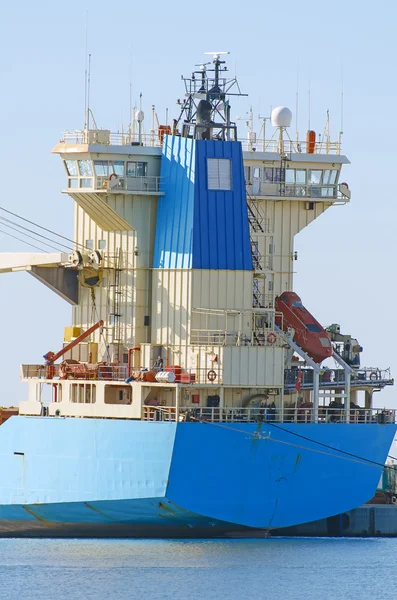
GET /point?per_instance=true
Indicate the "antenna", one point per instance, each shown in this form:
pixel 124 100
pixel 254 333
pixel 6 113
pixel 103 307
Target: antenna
pixel 85 71
pixel 216 54
pixel 326 136
pixel 130 111
pixel 263 130
pixel 309 100
pixel 341 108
pixel 139 117
pixel 297 99
pixel 205 114
pixel 341 99
pixel 88 92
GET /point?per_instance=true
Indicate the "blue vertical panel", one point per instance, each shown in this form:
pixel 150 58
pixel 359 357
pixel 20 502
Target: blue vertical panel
pixel 174 231
pixel 197 227
pixel 221 238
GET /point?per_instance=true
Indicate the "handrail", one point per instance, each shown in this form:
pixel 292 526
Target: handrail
pixel 218 337
pixel 77 371
pixel 290 146
pixel 318 191
pixel 158 413
pixel 211 376
pixel 332 378
pixel 147 183
pixel 287 415
pixel 108 138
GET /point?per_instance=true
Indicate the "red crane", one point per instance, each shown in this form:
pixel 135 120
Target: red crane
pixel 51 357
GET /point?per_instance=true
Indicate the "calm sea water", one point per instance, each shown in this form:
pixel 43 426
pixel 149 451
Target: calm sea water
pixel 207 569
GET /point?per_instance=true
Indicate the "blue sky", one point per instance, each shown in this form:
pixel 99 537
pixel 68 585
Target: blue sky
pixel 346 265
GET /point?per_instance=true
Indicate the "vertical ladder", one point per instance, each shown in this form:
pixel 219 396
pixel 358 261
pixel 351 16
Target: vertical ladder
pixel 258 297
pixel 115 314
pixel 256 256
pixel 284 159
pixel 261 226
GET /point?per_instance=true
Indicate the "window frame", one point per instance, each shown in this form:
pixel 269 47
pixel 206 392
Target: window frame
pixel 71 160
pixel 80 168
pixel 219 175
pixel 315 183
pixel 136 163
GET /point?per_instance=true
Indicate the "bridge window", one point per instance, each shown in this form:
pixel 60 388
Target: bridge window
pixel 290 176
pixel 329 176
pixel 277 175
pixel 101 168
pixel 219 174
pixel 268 174
pixel 85 168
pixel 117 167
pixel 300 176
pixel 136 168
pixel 71 167
pixel 315 176
pixel 86 182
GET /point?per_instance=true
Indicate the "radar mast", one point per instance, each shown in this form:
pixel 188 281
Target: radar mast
pixel 205 113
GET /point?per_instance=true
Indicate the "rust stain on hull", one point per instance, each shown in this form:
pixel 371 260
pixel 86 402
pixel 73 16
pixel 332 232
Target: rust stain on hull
pixel 38 517
pixel 297 461
pixel 97 510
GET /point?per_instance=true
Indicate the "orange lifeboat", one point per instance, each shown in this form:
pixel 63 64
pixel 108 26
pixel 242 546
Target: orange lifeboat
pixel 309 334
pixel 310 141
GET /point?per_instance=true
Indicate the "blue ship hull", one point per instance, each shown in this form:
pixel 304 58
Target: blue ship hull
pixel 98 477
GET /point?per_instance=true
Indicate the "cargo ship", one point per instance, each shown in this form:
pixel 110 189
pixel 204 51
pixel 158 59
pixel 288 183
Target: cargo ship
pixel 192 393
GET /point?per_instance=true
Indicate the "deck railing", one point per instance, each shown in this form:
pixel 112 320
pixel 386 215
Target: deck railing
pixel 272 415
pixel 211 375
pixel 331 378
pixel 290 146
pixel 108 138
pixel 149 183
pixel 310 191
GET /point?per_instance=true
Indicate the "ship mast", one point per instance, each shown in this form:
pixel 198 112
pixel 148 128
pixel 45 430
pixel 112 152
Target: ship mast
pixel 205 114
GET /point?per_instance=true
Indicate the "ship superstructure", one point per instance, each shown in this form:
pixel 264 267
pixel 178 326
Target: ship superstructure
pixel 183 262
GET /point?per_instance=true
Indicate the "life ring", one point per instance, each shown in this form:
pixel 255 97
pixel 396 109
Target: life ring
pixel 271 338
pixel 112 176
pixel 373 376
pixel 211 375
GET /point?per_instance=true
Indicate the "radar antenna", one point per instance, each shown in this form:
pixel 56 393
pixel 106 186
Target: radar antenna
pixel 205 114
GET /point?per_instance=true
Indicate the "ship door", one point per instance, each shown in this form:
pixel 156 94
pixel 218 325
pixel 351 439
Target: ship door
pixel 256 180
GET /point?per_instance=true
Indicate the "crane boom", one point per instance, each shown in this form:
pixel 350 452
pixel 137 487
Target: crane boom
pixel 50 357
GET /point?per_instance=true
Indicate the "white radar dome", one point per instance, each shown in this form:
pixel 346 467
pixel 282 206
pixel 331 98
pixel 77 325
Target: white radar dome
pixel 139 116
pixel 281 117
